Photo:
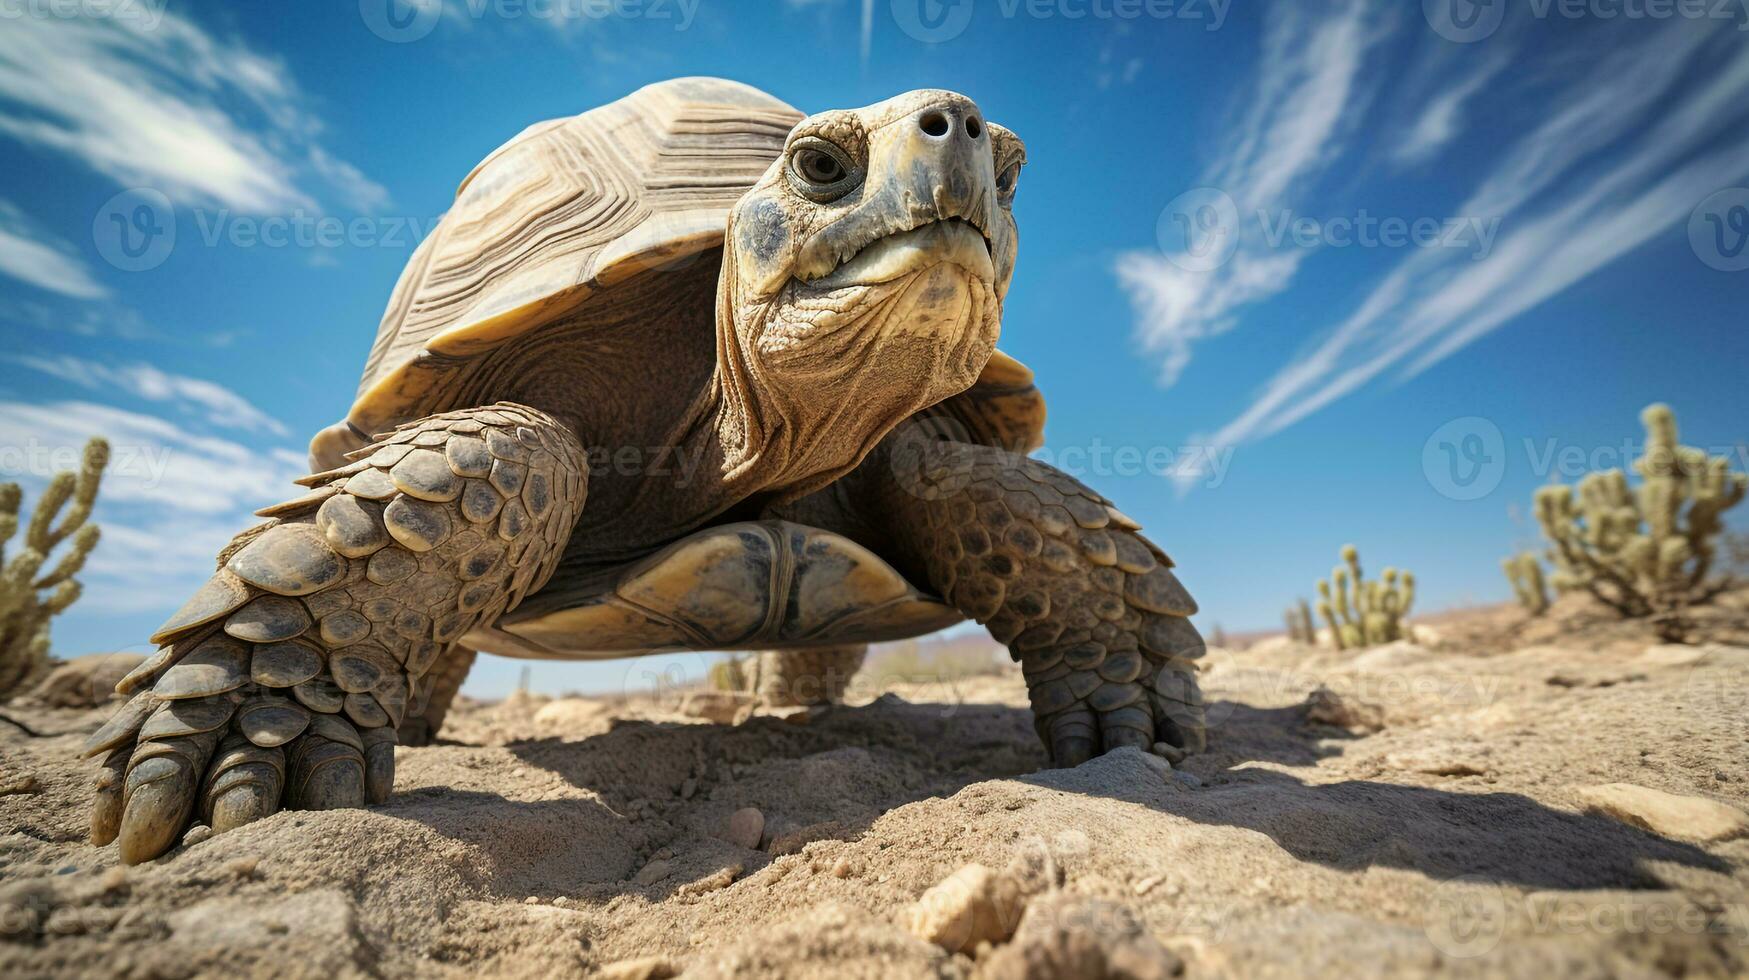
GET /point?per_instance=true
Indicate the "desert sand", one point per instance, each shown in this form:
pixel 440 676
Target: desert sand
pixel 1548 809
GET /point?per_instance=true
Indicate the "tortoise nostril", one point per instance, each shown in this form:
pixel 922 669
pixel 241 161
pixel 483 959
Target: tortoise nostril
pixel 934 123
pixel 974 129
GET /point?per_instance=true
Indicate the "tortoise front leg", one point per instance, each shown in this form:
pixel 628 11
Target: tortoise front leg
pixel 1088 606
pixel 282 682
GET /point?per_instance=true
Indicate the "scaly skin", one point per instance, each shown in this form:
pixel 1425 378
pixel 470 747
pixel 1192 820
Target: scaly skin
pixel 1087 605
pixel 282 683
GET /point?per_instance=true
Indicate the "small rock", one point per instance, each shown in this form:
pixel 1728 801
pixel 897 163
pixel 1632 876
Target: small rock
pixel 970 906
pixel 1435 763
pixel 1171 753
pixel 1189 780
pixel 1147 884
pixel 746 828
pixel 1326 707
pixel 688 788
pixel 18 783
pixel 196 834
pixel 843 868
pixel 1673 655
pixel 242 867
pixel 719 880
pixel 642 968
pixel 1069 936
pixel 653 872
pixel 1667 814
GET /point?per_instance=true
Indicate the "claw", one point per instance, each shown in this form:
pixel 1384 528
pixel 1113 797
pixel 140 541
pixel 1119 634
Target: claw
pixel 158 794
pixel 243 785
pixel 106 807
pixel 1072 738
pixel 326 775
pixel 1133 725
pixel 379 764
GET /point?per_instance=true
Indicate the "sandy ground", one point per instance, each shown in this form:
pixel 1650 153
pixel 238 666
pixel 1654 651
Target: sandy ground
pixel 1429 814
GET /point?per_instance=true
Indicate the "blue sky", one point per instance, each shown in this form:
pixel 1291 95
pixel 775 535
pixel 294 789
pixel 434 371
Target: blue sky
pixel 1500 228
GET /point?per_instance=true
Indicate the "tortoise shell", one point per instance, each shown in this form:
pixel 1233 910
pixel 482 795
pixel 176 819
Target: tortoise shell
pixel 558 216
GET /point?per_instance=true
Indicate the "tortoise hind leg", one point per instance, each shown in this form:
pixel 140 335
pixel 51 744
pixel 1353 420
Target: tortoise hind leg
pixel 809 675
pixel 425 720
pixel 282 682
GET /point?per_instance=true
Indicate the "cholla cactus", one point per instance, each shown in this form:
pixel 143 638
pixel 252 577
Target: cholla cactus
pixel 1300 627
pixel 1363 613
pixel 1526 575
pixel 29 598
pixel 1646 550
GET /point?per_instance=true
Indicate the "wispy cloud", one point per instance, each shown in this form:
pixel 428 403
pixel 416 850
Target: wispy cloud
pixel 31 255
pixel 1617 153
pixel 218 405
pixel 1301 106
pixel 162 103
pixel 170 500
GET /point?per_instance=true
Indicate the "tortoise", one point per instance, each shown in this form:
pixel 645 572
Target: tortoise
pixel 685 371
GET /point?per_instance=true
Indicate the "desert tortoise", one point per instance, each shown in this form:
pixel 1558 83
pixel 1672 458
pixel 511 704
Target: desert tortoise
pixel 687 371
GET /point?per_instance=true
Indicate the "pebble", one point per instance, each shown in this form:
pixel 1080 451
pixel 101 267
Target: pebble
pixel 971 906
pixel 747 828
pixel 642 968
pixel 1188 779
pixel 1690 817
pixel 196 834
pixel 722 879
pixel 653 872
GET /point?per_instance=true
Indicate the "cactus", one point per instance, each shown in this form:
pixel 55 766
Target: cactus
pixel 1300 627
pixel 1364 613
pixel 29 596
pixel 731 674
pixel 1526 575
pixel 1640 550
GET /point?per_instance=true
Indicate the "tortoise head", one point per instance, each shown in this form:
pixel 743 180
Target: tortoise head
pixel 871 259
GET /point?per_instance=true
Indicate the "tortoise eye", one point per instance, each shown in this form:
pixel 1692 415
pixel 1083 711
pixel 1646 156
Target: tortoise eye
pixel 1006 183
pixel 820 169
pixel 817 167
